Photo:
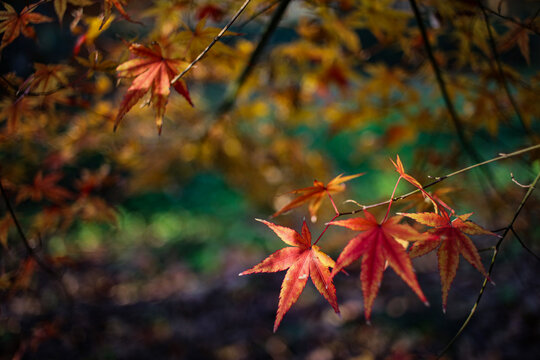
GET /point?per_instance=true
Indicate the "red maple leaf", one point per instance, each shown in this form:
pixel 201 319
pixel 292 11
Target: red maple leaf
pixel 303 261
pixel 13 24
pixel 379 244
pixel 434 200
pixel 152 71
pixel 44 186
pixel 450 237
pixel 315 194
pixel 211 10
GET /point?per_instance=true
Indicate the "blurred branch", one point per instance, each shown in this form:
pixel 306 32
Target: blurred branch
pixel 212 43
pixel 29 250
pixel 502 77
pixel 259 13
pixel 529 26
pixel 493 258
pixel 232 91
pixel 442 178
pixel 458 124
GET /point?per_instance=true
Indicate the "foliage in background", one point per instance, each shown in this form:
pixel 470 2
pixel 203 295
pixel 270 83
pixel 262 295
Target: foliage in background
pixel 292 91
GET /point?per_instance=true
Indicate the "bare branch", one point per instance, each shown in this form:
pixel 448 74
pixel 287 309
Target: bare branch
pixel 493 258
pixel 442 178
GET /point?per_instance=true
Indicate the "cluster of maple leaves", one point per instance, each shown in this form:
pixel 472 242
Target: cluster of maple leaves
pixel 378 245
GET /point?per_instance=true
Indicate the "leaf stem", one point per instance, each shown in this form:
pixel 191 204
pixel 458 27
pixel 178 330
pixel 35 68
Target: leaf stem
pixel 493 258
pixel 326 228
pixel 390 201
pixel 333 203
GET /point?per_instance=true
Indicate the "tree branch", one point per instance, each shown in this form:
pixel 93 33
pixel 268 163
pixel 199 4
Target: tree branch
pixel 456 121
pixel 29 250
pixel 442 178
pixel 529 26
pixel 493 258
pixel 502 77
pixel 232 91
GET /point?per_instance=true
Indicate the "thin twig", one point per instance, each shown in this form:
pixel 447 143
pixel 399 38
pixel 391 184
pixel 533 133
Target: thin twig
pixel 259 13
pixel 493 258
pixel 439 179
pixel 232 91
pixel 523 244
pixel 518 183
pixel 502 78
pixel 216 39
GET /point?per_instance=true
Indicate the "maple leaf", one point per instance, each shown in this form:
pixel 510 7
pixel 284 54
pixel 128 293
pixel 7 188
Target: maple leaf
pixel 119 5
pixel 95 62
pixel 151 71
pixel 379 244
pixel 434 200
pixel 13 110
pixel 450 237
pixel 47 78
pixel 516 35
pixel 315 194
pixel 303 261
pixel 60 6
pixel 44 186
pixel 13 24
pixel 197 40
pixel 211 10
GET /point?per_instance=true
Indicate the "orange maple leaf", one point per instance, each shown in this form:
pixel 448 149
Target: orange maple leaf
pixel 315 194
pixel 13 24
pixel 452 238
pixel 435 201
pixel 303 261
pixel 151 71
pixel 47 78
pixel 44 186
pixel 379 244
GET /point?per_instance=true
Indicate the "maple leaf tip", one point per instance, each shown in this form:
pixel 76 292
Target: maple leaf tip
pixel 368 322
pixel 426 303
